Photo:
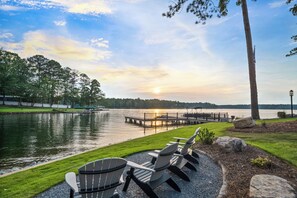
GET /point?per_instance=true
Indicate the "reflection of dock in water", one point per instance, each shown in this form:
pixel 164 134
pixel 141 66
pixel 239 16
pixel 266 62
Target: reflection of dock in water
pixel 171 119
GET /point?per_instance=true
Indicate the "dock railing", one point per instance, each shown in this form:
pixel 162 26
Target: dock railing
pixel 165 119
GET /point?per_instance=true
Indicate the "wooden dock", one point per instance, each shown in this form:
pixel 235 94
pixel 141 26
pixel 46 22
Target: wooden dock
pixel 168 119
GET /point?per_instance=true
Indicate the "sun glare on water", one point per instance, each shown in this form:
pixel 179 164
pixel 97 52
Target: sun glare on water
pixel 157 90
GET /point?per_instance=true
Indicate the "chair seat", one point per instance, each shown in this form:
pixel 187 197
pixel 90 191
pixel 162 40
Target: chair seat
pixel 144 175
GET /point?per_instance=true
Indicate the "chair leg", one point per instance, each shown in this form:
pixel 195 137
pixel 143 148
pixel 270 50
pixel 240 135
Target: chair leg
pixel 179 172
pixel 190 166
pixel 194 154
pixel 128 179
pixel 146 188
pixel 71 193
pixel 191 159
pixel 172 183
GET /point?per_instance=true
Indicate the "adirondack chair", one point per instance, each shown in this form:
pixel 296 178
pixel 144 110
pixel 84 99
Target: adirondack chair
pixel 185 147
pixel 150 175
pixel 182 157
pixel 97 179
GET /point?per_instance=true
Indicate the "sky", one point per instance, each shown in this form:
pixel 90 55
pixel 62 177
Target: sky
pixel 135 52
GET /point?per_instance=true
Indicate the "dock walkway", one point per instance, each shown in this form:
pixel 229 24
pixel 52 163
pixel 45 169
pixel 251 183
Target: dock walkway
pixel 153 120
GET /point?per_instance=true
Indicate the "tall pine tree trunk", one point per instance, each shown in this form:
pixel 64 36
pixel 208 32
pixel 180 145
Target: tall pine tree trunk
pixel 251 61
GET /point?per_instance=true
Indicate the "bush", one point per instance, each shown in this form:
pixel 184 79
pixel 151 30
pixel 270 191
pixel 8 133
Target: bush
pixel 206 136
pixel 261 162
pixel 281 114
pixel 264 125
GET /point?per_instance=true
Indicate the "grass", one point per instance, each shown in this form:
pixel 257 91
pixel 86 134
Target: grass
pixel 9 109
pixel 36 180
pixel 282 145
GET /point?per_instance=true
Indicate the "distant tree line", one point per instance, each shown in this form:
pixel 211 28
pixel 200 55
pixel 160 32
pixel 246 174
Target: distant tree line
pixel 128 103
pixel 38 79
pixel 261 106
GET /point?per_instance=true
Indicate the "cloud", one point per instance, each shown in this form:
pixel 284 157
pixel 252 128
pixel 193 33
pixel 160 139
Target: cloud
pixel 60 23
pixel 56 47
pixel 277 4
pixel 85 6
pixel 100 42
pixel 91 7
pixel 10 8
pixel 6 35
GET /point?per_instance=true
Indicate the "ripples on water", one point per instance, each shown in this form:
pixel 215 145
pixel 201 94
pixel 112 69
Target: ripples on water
pixel 29 139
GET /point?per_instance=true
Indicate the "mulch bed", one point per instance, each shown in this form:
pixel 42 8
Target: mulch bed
pixel 290 126
pixel 239 167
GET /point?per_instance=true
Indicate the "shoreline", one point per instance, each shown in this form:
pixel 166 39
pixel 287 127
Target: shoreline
pixel 40 178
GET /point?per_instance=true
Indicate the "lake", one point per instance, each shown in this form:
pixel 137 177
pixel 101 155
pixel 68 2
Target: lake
pixel 30 139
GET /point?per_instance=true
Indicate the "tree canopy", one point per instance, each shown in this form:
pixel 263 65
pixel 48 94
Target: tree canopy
pixel 39 79
pixel 294 37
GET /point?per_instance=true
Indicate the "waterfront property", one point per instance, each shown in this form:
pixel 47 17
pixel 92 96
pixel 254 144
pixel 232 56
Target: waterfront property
pixel 34 181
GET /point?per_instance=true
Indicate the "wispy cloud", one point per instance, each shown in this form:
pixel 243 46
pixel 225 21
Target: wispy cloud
pixel 92 7
pixel 56 47
pixel 277 4
pixel 100 42
pixel 60 23
pixel 84 6
pixel 6 35
pixel 10 8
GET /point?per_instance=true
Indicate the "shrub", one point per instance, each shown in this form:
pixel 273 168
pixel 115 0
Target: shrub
pixel 206 136
pixel 261 162
pixel 264 125
pixel 281 114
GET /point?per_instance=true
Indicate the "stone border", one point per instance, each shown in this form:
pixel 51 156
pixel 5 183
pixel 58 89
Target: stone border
pixel 223 190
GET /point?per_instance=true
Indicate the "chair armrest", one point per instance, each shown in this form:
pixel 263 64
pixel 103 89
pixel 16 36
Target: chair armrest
pixel 70 179
pixel 176 154
pixel 138 166
pixel 157 151
pixel 153 154
pixel 180 138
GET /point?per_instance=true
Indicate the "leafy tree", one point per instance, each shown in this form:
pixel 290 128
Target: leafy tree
pixel 84 89
pixel 95 92
pixel 38 79
pixel 294 37
pixel 53 74
pixel 38 65
pixel 206 9
pixel 10 66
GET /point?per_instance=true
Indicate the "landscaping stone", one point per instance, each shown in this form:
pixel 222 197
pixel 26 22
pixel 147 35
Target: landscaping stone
pixel 264 186
pixel 231 144
pixel 244 123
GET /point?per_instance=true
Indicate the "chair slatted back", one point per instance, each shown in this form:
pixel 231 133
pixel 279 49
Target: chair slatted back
pixel 163 161
pixel 101 177
pixel 186 148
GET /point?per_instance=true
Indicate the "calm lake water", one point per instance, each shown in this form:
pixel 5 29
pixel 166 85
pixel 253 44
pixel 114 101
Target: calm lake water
pixel 30 139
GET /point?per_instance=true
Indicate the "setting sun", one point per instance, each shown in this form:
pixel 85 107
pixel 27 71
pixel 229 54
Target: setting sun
pixel 157 90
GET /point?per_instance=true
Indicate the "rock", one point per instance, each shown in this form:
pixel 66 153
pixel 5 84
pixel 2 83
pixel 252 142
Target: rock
pixel 265 186
pixel 244 123
pixel 230 144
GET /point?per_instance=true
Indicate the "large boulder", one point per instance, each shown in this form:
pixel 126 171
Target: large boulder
pixel 265 186
pixel 244 123
pixel 231 144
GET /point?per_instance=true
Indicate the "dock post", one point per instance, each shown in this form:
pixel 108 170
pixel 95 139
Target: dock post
pixel 167 120
pixel 144 120
pixel 155 120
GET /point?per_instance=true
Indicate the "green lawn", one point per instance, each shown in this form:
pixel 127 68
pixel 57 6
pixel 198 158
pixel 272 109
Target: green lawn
pixel 33 181
pixel 8 109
